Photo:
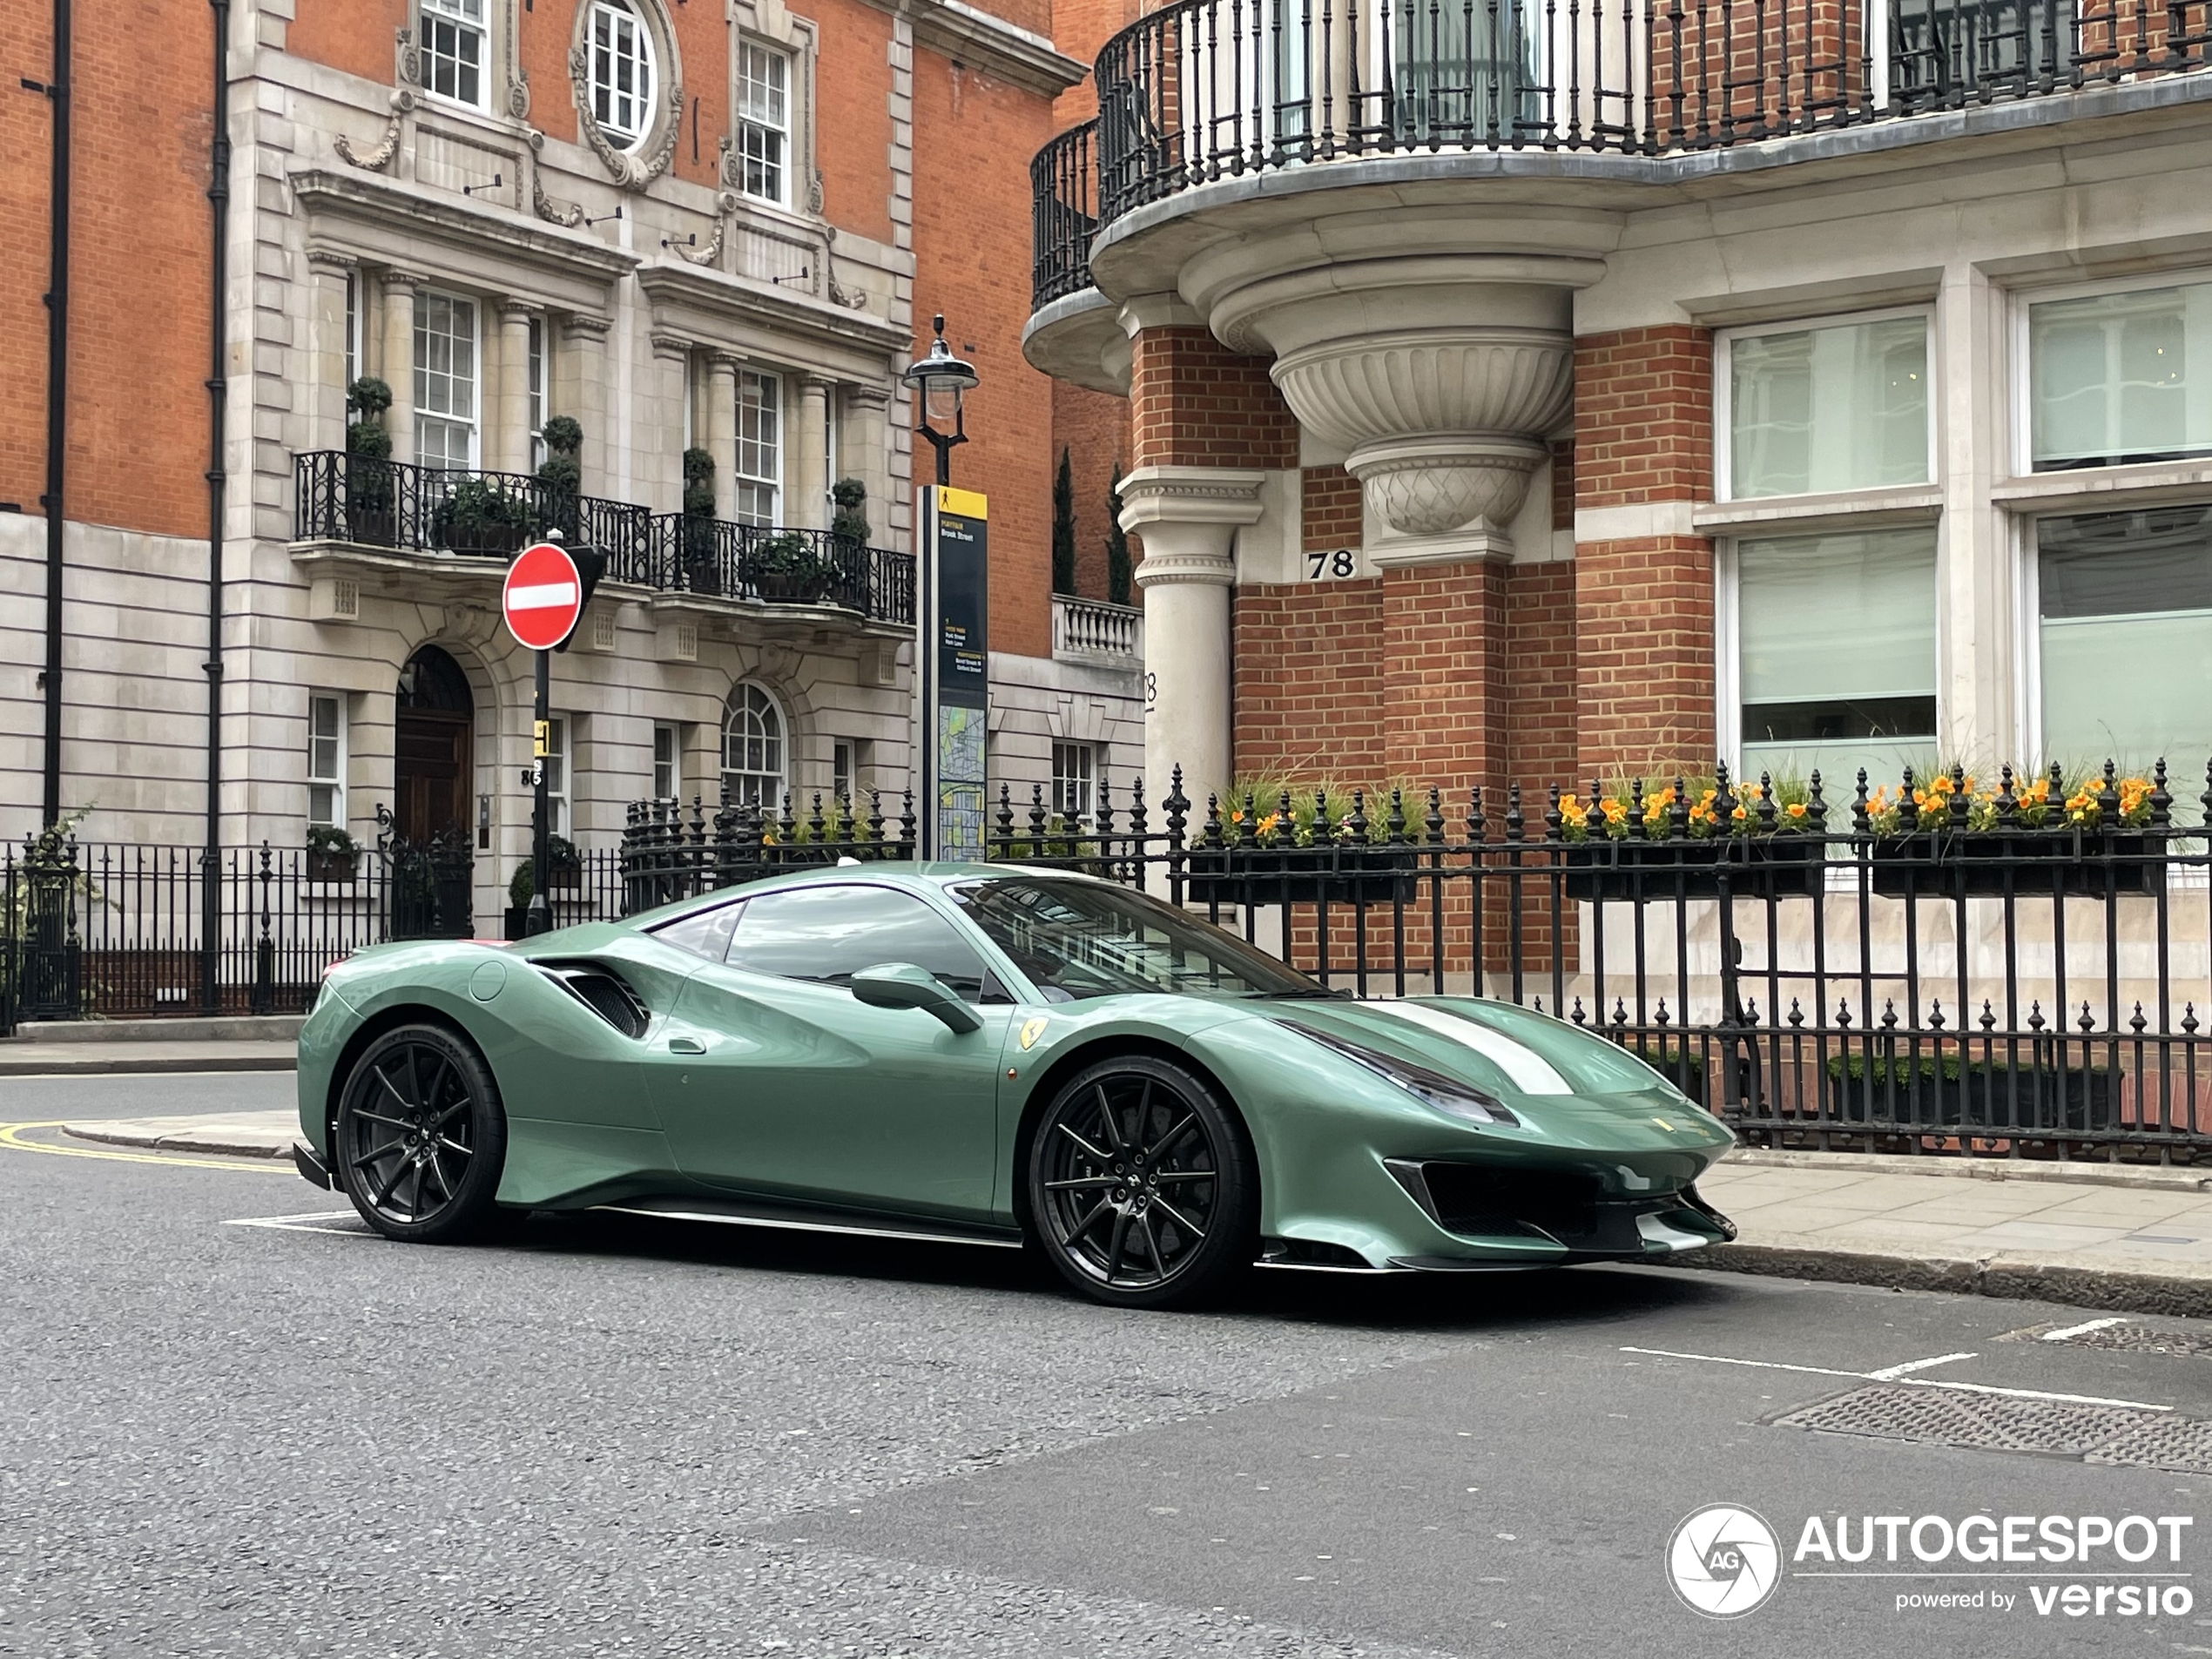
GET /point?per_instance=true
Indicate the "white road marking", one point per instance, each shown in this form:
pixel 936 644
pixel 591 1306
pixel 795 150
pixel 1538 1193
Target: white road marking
pixel 1904 1382
pixel 305 1223
pixel 1889 1373
pixel 2083 1328
pixel 541 595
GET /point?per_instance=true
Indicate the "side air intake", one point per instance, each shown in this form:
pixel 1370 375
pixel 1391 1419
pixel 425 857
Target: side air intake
pixel 602 993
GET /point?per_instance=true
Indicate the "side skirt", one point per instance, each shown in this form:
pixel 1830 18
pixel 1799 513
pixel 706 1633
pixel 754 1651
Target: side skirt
pixel 859 1226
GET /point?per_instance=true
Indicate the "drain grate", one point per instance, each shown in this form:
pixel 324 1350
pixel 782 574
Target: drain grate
pixel 2119 1336
pixel 2182 1444
pixel 1951 1417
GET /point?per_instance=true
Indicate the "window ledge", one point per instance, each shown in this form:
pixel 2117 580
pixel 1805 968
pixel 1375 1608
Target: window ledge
pixel 2156 483
pixel 1840 509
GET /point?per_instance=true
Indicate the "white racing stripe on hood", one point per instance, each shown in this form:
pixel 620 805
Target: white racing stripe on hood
pixel 1531 1073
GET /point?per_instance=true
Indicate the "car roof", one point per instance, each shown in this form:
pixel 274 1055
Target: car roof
pixel 895 872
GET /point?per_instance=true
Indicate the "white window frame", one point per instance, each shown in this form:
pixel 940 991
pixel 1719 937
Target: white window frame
pixel 1728 641
pixel 1091 759
pixel 770 480
pixel 749 124
pixel 845 780
pixel 667 767
pixel 560 731
pixel 431 15
pixel 335 780
pixel 474 421
pixel 2020 357
pixel 1723 376
pixel 353 328
pixel 644 93
pixel 738 702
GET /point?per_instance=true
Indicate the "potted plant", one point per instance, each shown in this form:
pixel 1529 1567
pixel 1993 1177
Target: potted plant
pixel 2033 1093
pixel 369 473
pixel 332 855
pixel 1313 849
pixel 564 864
pixel 560 477
pixel 698 536
pixel 849 535
pixel 480 515
pixel 2047 836
pixel 1684 839
pixel 786 570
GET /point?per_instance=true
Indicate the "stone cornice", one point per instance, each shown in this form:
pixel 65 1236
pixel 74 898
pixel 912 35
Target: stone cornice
pixel 365 217
pixel 978 40
pixel 716 294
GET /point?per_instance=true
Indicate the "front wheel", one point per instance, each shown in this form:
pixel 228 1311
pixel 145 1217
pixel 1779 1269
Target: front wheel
pixel 420 1135
pixel 1142 1190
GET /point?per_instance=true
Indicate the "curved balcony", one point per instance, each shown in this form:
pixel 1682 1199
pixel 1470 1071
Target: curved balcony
pixel 1063 184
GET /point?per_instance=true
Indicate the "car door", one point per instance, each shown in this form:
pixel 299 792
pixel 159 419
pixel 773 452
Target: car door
pixel 786 1085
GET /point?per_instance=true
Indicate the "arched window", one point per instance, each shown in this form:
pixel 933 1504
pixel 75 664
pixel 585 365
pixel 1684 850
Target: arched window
pixel 753 749
pixel 622 72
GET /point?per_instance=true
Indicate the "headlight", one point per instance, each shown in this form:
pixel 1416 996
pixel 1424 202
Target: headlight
pixel 1433 1089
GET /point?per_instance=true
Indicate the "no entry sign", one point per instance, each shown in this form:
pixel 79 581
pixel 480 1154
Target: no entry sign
pixel 543 596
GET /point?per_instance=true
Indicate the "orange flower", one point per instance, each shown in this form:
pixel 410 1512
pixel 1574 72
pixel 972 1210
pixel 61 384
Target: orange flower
pixel 1795 809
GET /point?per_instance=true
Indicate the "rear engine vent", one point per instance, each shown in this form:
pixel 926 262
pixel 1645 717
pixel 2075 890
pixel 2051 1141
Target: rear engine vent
pixel 602 993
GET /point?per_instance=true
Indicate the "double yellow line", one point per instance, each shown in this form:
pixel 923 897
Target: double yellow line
pixel 11 1138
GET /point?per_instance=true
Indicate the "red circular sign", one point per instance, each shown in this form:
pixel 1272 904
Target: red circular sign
pixel 543 596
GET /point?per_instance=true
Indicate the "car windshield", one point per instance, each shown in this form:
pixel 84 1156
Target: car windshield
pixel 1078 939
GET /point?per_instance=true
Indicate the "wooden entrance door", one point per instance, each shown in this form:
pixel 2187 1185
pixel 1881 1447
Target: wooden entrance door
pixel 434 748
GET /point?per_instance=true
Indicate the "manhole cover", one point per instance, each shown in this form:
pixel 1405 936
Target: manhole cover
pixel 1954 1417
pixel 2117 1336
pixel 2182 1444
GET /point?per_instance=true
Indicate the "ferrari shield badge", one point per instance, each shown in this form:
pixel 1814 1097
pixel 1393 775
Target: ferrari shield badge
pixel 1031 1030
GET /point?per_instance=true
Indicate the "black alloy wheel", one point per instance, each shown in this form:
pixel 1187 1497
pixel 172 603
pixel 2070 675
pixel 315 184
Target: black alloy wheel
pixel 420 1135
pixel 1142 1189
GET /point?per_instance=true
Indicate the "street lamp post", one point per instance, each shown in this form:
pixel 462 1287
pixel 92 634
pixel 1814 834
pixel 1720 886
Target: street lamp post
pixel 942 381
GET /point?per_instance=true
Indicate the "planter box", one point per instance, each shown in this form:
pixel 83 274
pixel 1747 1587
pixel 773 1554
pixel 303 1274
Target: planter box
pixel 1632 869
pixel 789 587
pixel 564 874
pixel 331 866
pixel 1301 875
pixel 1938 863
pixel 2030 1099
pixel 370 526
pixel 485 539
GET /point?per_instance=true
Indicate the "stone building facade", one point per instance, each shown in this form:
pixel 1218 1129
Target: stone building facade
pixel 1541 407
pixel 683 227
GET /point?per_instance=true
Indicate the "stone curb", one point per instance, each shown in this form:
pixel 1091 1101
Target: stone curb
pixel 2178 1290
pixel 2165 1177
pixel 239 1143
pixel 32 1065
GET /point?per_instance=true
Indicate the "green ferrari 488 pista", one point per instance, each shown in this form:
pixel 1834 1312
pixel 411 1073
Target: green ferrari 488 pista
pixel 990 1055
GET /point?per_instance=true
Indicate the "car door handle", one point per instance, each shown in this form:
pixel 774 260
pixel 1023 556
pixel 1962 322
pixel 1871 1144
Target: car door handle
pixel 685 1045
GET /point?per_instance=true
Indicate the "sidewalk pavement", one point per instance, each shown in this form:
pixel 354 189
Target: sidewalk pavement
pixel 80 1059
pixel 2121 1239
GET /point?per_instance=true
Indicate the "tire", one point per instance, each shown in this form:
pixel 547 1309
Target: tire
pixel 420 1137
pixel 1142 1189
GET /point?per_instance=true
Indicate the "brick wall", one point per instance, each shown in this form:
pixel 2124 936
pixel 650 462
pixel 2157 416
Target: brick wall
pixel 972 263
pixel 1194 402
pixel 1643 604
pixel 137 424
pixel 1329 511
pixel 1540 686
pixel 853 131
pixel 1307 681
pixel 1093 428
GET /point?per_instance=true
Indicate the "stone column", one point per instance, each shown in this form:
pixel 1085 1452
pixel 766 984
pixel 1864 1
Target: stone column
pixel 1187 517
pixel 660 465
pixel 399 358
pixel 582 383
pixel 811 487
pixel 509 448
pixel 326 376
pixel 720 438
pixel 866 450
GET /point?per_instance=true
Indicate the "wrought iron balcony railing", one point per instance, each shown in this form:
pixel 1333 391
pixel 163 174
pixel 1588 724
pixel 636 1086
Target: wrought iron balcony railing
pixel 1063 180
pixel 492 514
pixel 1204 89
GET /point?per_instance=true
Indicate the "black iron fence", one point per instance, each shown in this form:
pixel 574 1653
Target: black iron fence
pixel 340 497
pixel 1202 90
pixel 2026 969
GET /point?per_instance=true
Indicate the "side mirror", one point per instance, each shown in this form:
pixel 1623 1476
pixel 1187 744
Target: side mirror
pixel 902 985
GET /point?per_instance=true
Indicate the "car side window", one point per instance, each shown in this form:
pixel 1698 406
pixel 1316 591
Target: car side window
pixel 828 934
pixel 704 932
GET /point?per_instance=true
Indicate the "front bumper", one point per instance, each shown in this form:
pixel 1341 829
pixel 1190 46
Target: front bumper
pixel 312 1169
pixel 1508 1218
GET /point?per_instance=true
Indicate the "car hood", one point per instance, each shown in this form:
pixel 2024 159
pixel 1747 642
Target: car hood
pixel 1548 1070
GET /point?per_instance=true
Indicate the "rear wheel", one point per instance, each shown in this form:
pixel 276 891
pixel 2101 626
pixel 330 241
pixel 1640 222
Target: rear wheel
pixel 420 1135
pixel 1142 1192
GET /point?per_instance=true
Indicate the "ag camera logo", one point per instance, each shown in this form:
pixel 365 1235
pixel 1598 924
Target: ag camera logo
pixel 1723 1562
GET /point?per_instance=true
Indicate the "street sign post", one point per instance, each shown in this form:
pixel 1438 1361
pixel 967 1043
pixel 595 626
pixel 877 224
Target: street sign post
pixel 542 601
pixel 954 663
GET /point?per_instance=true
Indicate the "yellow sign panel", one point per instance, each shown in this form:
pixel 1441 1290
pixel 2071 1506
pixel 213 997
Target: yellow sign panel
pixel 963 503
pixel 541 735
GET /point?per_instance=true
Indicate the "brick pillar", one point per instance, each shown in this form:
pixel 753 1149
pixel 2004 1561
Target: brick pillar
pixel 1444 674
pixel 1643 578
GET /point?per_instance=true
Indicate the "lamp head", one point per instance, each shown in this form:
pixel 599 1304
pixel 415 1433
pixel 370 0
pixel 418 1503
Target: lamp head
pixel 942 379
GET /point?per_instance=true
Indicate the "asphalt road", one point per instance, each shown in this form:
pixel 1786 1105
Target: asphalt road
pixel 603 1436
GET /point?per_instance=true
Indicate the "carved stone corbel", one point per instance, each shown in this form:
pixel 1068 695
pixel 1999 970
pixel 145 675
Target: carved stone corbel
pixel 631 172
pixel 381 157
pixel 407 59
